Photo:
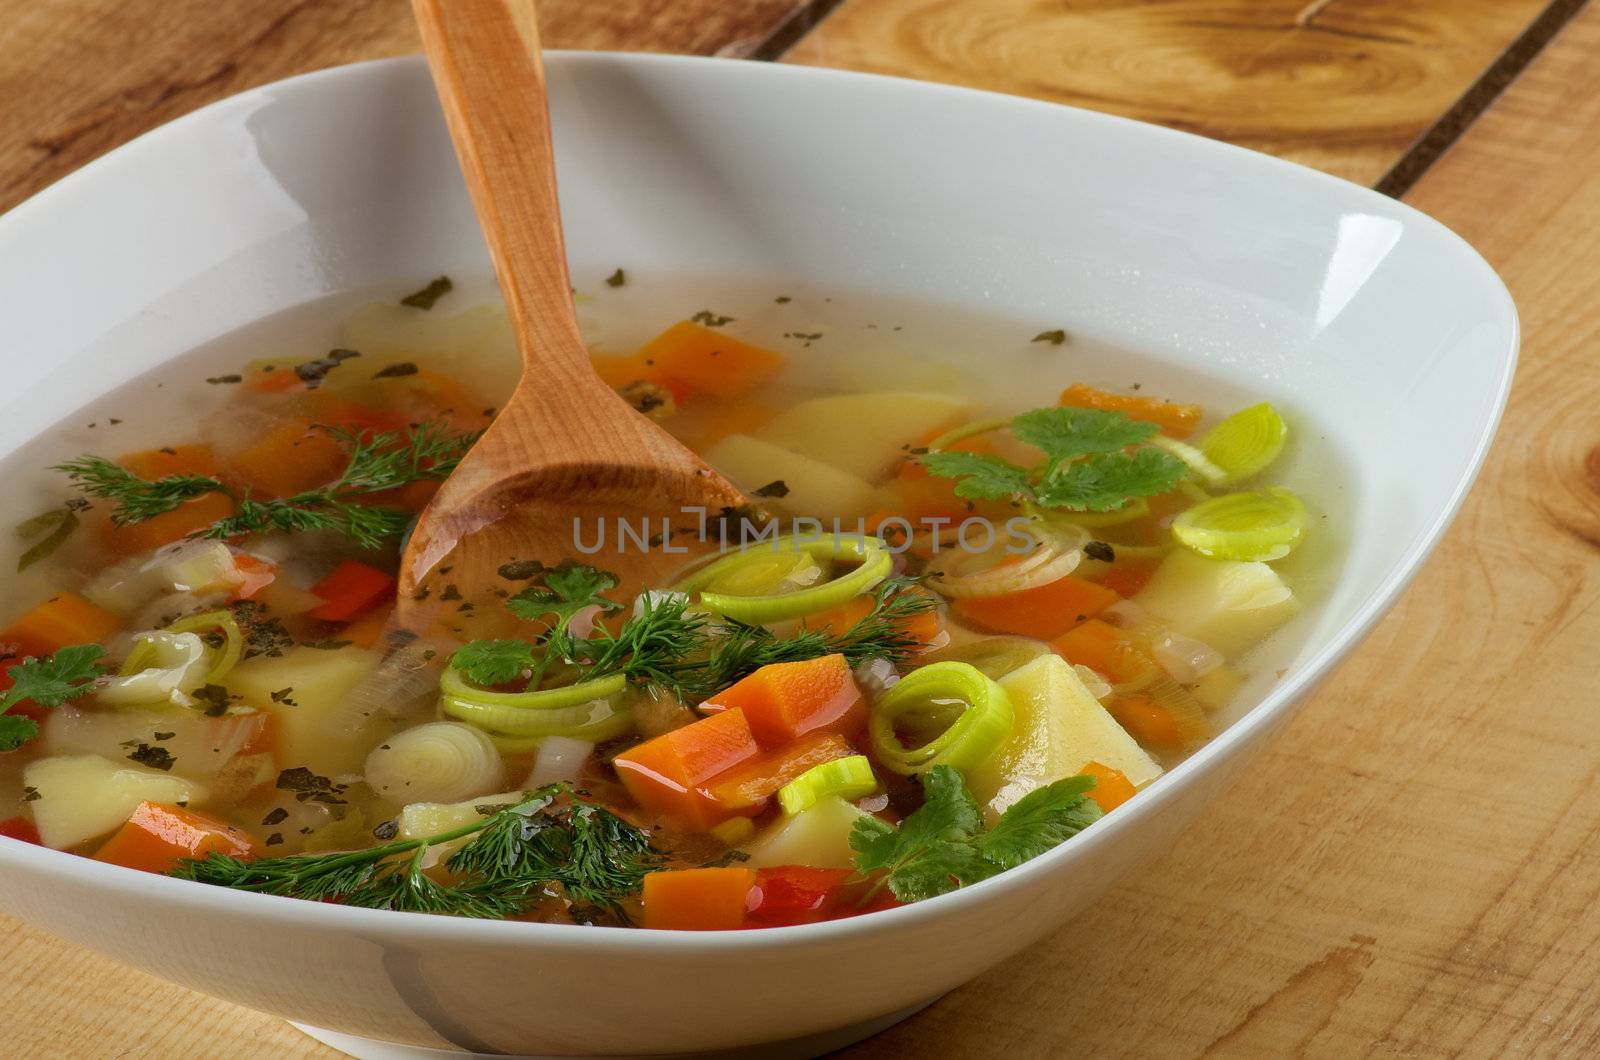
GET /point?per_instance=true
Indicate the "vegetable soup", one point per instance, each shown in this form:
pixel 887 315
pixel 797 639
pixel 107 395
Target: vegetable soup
pixel 942 637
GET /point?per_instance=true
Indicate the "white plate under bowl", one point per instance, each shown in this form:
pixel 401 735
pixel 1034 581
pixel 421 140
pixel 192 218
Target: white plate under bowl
pixel 1388 335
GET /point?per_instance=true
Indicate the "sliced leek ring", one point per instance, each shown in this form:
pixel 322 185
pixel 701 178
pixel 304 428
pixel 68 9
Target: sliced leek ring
pixel 1244 444
pixel 873 564
pixel 1200 465
pixel 1257 526
pixel 967 714
pixel 849 778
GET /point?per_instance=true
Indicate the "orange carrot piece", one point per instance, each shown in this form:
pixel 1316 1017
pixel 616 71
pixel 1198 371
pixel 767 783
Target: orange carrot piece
pixel 924 627
pixel 257 574
pixel 157 836
pixel 784 701
pixel 351 589
pixel 174 460
pixel 1116 654
pixel 703 359
pixel 1044 612
pixel 288 459
pixel 1126 576
pixel 697 899
pixel 1175 419
pixel 1111 786
pixel 272 377
pixel 664 774
pixel 194 514
pixel 1150 723
pixel 751 784
pixel 365 631
pixel 64 619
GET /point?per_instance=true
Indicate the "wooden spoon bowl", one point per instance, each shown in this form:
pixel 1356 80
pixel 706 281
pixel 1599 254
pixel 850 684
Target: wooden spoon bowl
pixel 567 459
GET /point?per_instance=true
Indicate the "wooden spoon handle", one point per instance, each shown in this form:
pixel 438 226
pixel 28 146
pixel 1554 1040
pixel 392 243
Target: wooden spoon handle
pixel 484 56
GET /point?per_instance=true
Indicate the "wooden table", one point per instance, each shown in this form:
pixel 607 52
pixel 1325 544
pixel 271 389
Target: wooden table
pixel 1423 879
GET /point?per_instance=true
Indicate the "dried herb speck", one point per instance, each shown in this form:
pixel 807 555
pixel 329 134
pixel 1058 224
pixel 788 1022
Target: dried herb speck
pixel 776 488
pixel 617 279
pixel 395 371
pixel 437 288
pixel 1054 338
pixel 154 757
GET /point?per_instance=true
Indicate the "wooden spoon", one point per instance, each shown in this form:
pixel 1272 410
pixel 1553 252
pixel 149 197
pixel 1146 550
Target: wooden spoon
pixel 565 447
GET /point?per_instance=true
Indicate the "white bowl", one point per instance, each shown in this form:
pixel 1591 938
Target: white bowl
pixel 1384 329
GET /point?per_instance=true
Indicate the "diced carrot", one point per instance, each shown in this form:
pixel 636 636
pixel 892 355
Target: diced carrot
pixel 703 359
pixel 350 589
pixel 334 411
pixel 795 894
pixel 272 377
pixel 785 701
pixel 157 836
pixel 1177 420
pixel 196 513
pixel 1111 786
pixel 752 783
pixel 1150 723
pixel 1116 654
pixel 64 619
pixel 289 458
pixel 924 627
pixel 365 631
pixel 256 575
pixel 1045 612
pixel 664 774
pixel 19 828
pixel 1126 576
pixel 697 899
pixel 174 460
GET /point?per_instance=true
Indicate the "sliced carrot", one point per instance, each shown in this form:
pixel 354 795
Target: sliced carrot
pixel 795 894
pixel 158 836
pixel 194 514
pixel 351 589
pixel 1044 612
pixel 785 701
pixel 1126 576
pixel 256 575
pixel 365 631
pixel 289 458
pixel 1111 786
pixel 1116 654
pixel 924 627
pixel 752 783
pixel 697 899
pixel 1150 723
pixel 173 460
pixel 1177 420
pixel 664 774
pixel 64 619
pixel 703 359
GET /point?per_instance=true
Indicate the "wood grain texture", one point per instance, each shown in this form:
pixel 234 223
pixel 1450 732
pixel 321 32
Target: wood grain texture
pixel 79 77
pixel 1342 85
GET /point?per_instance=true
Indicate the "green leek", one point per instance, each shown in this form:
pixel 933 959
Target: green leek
pixel 1254 526
pixel 849 778
pixel 963 713
pixel 1246 442
pixel 517 721
pixel 1200 465
pixel 873 563
pixel 222 660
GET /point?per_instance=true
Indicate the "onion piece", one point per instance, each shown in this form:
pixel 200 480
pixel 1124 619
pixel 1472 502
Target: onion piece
pixel 560 759
pixel 441 761
pixel 877 676
pixel 178 665
pixel 1058 553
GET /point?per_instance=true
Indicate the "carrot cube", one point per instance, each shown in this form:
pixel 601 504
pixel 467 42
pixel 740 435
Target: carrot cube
pixel 702 359
pixel 62 620
pixel 751 784
pixel 350 589
pixel 1174 419
pixel 1116 654
pixel 158 836
pixel 1148 722
pixel 664 774
pixel 1111 786
pixel 785 701
pixel 1045 612
pixel 697 899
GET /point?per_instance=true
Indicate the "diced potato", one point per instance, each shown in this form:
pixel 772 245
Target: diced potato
pixel 1216 689
pixel 420 819
pixel 818 837
pixel 815 489
pixel 1059 728
pixel 312 730
pixel 82 797
pixel 1228 604
pixel 200 746
pixel 862 433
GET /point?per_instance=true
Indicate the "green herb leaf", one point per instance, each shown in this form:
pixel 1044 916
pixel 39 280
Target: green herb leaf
pixel 494 662
pixel 1039 821
pixel 982 477
pixel 48 531
pixel 1107 482
pixel 567 589
pixel 47 682
pixel 1066 433
pixel 15 730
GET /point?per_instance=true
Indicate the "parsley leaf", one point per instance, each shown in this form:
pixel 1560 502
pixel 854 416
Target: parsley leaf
pixel 48 682
pixel 567 589
pixel 1066 433
pixel 943 845
pixel 494 662
pixel 982 477
pixel 1109 481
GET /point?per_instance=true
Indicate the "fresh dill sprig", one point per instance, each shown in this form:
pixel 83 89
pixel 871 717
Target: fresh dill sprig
pixel 137 499
pixel 378 462
pixel 509 860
